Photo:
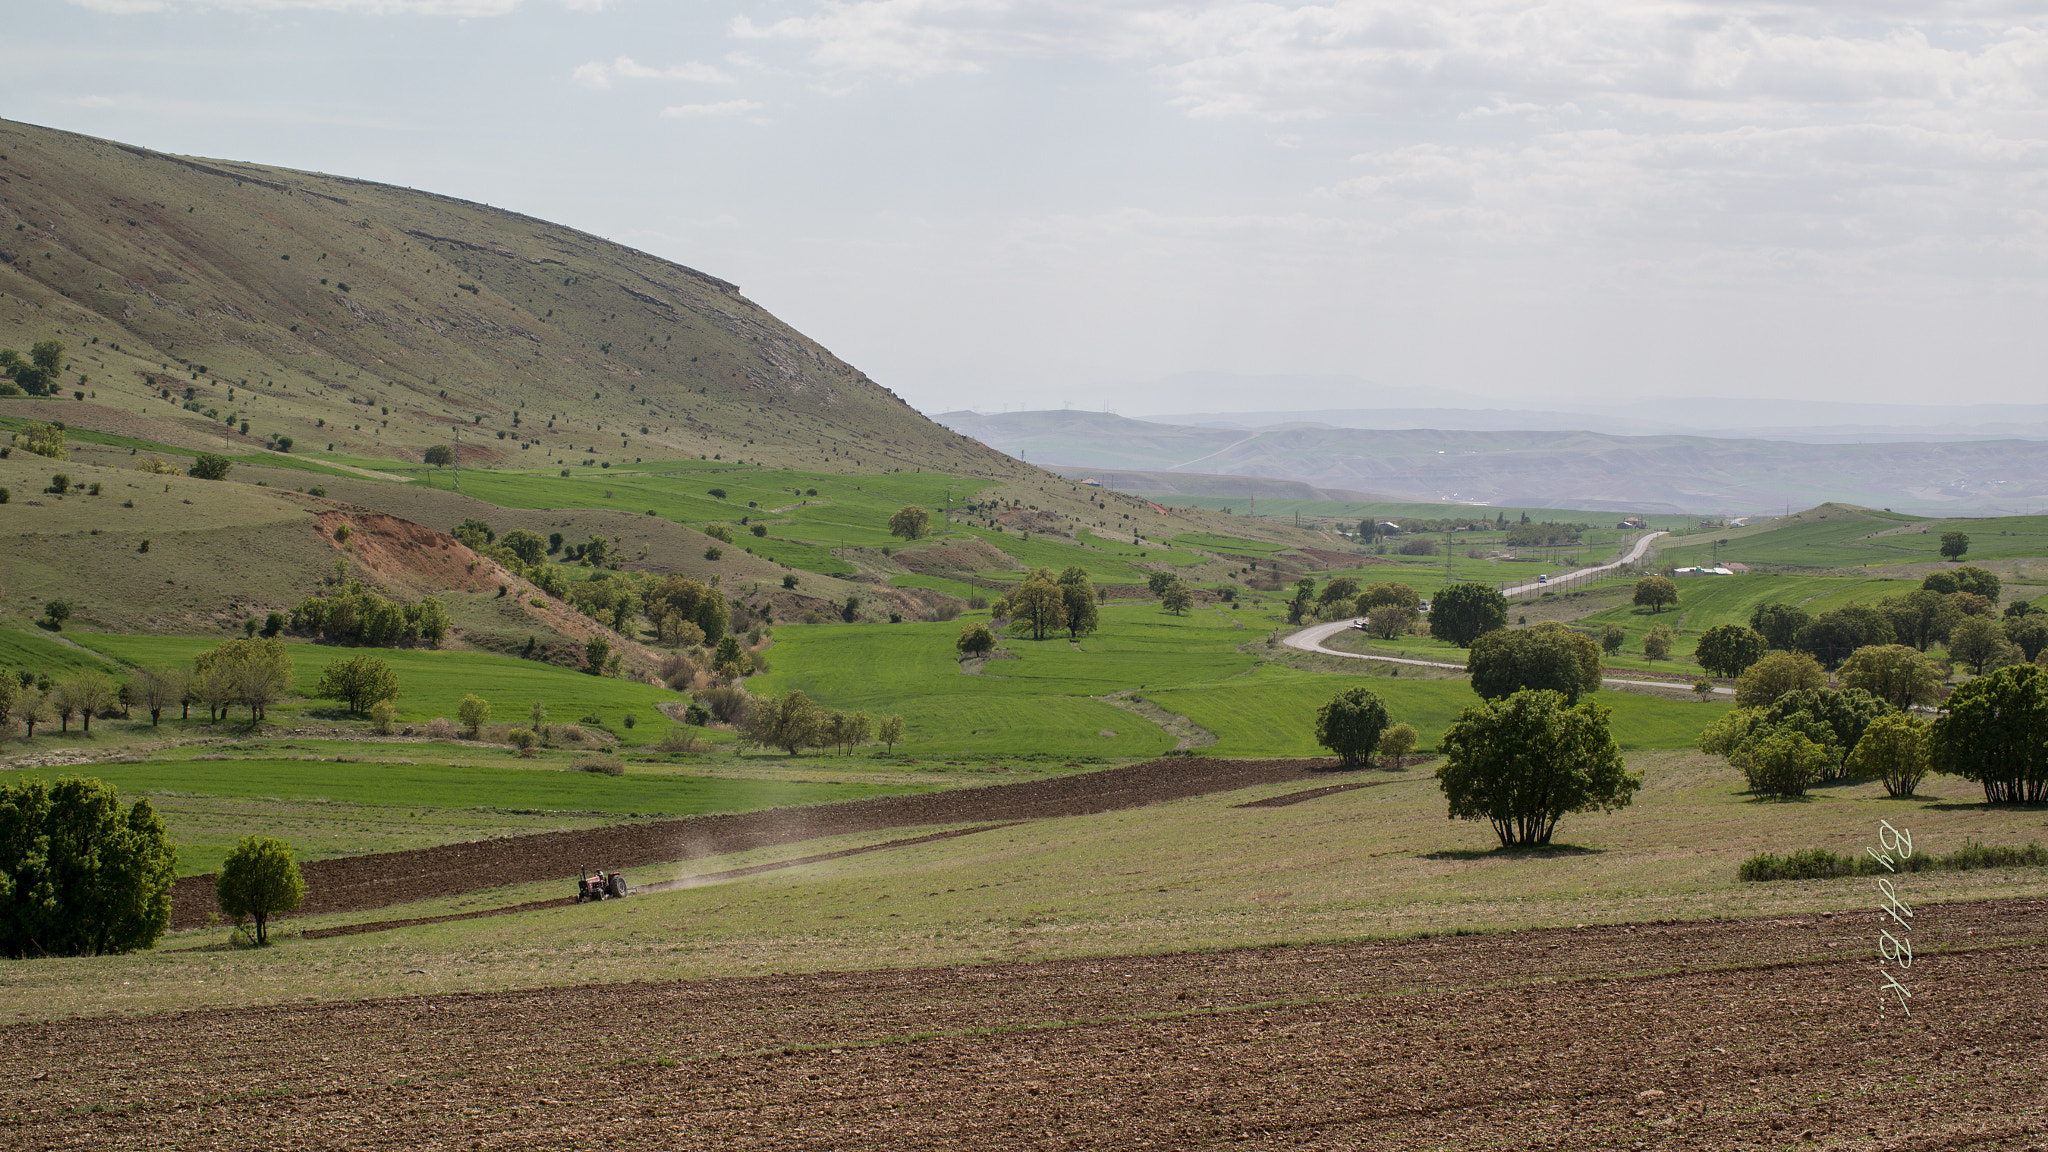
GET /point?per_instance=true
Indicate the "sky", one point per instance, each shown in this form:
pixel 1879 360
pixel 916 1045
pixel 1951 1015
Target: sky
pixel 997 205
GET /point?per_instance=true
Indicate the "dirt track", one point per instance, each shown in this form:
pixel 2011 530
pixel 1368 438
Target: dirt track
pixel 1712 1035
pixel 363 883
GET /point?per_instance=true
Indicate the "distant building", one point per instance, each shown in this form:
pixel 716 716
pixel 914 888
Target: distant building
pixel 1092 482
pixel 1632 522
pixel 1703 572
pixel 1737 567
pixel 1388 528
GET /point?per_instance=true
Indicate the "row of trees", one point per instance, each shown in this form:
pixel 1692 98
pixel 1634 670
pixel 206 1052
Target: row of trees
pixel 793 722
pixel 1045 604
pixel 1989 732
pixel 358 616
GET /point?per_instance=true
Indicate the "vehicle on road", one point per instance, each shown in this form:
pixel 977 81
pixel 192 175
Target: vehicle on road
pixel 1543 579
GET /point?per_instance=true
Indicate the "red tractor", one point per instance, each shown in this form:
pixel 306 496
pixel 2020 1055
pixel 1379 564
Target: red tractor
pixel 598 884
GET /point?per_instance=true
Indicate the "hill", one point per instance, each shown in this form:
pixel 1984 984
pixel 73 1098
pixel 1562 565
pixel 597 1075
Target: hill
pixel 1541 468
pixel 363 320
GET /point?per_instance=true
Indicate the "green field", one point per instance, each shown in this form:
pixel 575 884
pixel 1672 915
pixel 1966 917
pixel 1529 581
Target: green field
pixel 38 653
pixel 1347 513
pixel 1843 537
pixel 432 684
pixel 1708 601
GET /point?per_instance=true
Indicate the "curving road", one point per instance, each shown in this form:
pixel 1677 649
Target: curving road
pixel 1311 639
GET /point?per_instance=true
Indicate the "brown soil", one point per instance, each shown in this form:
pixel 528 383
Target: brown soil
pixel 1758 1033
pixel 974 555
pixel 1329 559
pixel 362 883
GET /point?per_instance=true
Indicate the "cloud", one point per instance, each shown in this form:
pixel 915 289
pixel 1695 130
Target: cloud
pixel 458 8
pixel 599 74
pixel 699 111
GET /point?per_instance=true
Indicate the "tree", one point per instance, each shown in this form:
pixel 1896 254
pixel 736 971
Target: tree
pixel 1337 596
pixel 1178 599
pixel 890 732
pixel 1893 749
pixel 1079 593
pixel 2029 633
pixel 1522 763
pixel 259 879
pixel 1979 643
pixel 1992 734
pixel 1297 608
pixel 1784 763
pixel 975 640
pixel 1463 613
pixel 475 534
pixel 1920 617
pixel 1157 583
pixel 1968 578
pixel 1657 642
pixel 1898 674
pixel 439 455
pixel 1612 637
pixel 1548 656
pixel 789 721
pixel 1830 639
pixel 1390 621
pixel 32 707
pixel 474 712
pixel 254 672
pixel 210 466
pixel 91 691
pixel 79 876
pixel 1833 719
pixel 1727 649
pixel 42 439
pixel 596 651
pixel 1954 545
pixel 1388 592
pixel 1775 675
pixel 1779 624
pixel 910 522
pixel 1351 725
pixel 1654 592
pixel 1396 743
pixel 529 546
pixel 359 682
pixel 57 612
pixel 37 375
pixel 1038 606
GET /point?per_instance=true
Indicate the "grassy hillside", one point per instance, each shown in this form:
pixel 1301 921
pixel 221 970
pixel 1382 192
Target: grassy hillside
pixel 1846 536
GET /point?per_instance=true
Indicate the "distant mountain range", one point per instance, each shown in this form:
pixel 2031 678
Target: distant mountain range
pixel 1556 467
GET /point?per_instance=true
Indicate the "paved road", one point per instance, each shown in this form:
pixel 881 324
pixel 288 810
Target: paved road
pixel 1311 639
pixel 1635 554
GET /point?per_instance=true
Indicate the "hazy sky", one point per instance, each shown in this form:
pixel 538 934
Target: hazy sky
pixel 989 204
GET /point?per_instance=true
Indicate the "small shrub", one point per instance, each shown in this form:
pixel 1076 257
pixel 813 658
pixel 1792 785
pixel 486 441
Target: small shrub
pixel 382 714
pixel 1784 764
pixel 680 740
pixel 696 714
pixel 727 703
pixel 603 765
pixel 629 720
pixel 573 734
pixel 522 738
pixel 439 728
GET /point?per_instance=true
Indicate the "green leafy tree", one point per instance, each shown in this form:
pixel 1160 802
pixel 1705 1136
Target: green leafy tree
pixel 1898 674
pixel 210 466
pixel 1038 606
pixel 1158 582
pixel 42 439
pixel 1397 744
pixel 597 652
pixel 890 732
pixel 1390 621
pixel 1834 719
pixel 1894 750
pixel 1992 734
pixel 474 712
pixel 1834 635
pixel 1524 762
pixel 1657 641
pixel 1967 578
pixel 1779 624
pixel 530 547
pixel 358 682
pixel 1776 675
pixel 790 722
pixel 253 672
pixel 1612 637
pixel 1462 613
pixel 39 374
pixel 1728 649
pixel 1654 592
pixel 80 876
pixel 1178 599
pixel 1954 545
pixel 1079 593
pixel 1784 763
pixel 1388 592
pixel 1337 597
pixel 91 692
pixel 910 522
pixel 1297 609
pixel 1981 644
pixel 1548 656
pixel 439 455
pixel 475 534
pixel 1920 617
pixel 258 880
pixel 975 640
pixel 2029 633
pixel 1351 725
pixel 57 612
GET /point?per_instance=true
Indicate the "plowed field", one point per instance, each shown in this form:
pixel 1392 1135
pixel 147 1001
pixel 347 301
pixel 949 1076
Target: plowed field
pixel 1727 1034
pixel 362 883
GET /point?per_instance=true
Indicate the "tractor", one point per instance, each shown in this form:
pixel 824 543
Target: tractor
pixel 598 884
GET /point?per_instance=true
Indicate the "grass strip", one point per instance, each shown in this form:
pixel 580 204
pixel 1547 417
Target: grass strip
pixel 1821 864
